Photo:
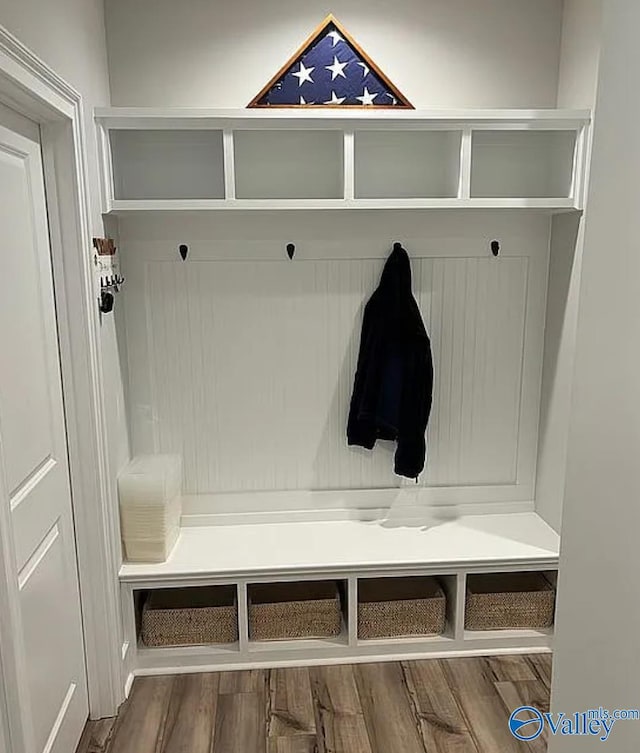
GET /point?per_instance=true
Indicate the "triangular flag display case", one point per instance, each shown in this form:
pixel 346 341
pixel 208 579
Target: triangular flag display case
pixel 330 70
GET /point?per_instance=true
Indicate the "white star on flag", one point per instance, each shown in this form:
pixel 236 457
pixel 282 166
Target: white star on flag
pixel 365 69
pixel 335 100
pixel 337 68
pixel 335 36
pixel 304 74
pixel 367 97
pixel 303 101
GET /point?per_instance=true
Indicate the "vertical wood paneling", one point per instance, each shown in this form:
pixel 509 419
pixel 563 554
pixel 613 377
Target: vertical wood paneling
pixel 475 312
pixel 250 368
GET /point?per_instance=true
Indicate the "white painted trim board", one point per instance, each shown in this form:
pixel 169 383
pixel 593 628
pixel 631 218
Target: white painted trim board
pixel 31 87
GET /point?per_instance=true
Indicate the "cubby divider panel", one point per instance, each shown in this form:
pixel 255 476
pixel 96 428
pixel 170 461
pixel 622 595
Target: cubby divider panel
pixel 407 164
pixel 167 164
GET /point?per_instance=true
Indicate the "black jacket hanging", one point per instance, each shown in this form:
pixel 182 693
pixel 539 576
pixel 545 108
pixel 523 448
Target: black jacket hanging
pixel 394 377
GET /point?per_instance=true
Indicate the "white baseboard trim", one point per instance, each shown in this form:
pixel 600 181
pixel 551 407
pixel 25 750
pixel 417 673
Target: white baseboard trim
pixel 129 683
pixel 345 659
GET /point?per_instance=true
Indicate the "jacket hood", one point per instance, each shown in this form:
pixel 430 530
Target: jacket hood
pixel 396 275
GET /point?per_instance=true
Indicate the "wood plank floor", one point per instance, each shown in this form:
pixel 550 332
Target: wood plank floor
pixel 431 706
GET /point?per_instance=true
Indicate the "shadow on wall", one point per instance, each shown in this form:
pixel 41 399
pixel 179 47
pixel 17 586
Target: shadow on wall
pixel 561 278
pixel 557 378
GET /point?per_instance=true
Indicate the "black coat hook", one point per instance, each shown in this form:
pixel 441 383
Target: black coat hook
pixel 184 250
pixel 495 247
pixel 291 249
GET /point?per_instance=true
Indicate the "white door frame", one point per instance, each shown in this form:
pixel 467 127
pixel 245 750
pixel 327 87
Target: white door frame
pixel 29 86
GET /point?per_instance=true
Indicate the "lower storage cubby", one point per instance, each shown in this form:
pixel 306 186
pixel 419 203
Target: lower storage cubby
pixel 305 609
pixel 400 607
pixel 189 616
pixel 502 601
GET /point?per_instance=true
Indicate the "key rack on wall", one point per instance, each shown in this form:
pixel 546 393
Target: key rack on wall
pixel 107 268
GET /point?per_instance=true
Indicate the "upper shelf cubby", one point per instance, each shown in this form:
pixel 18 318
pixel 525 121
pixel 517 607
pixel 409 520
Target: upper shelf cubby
pixel 407 164
pixel 161 164
pixel 288 164
pixel 156 159
pixel 528 164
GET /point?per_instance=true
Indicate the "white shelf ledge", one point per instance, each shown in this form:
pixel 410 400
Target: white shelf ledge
pixel 309 644
pixel 185 117
pixel 209 649
pixel 126 206
pixel 469 542
pixel 523 634
pixel 407 642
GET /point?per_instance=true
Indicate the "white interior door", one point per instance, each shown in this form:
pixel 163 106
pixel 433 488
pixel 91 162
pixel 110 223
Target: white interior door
pixel 42 641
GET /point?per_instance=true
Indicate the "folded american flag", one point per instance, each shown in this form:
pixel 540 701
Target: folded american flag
pixel 330 69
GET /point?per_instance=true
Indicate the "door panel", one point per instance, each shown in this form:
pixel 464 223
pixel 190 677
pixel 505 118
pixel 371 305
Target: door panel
pixel 39 584
pixel 27 429
pixel 39 553
pixel 43 487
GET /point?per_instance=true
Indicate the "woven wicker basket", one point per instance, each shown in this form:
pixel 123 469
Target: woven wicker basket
pixel 187 616
pixel 389 607
pixel 509 600
pixel 294 610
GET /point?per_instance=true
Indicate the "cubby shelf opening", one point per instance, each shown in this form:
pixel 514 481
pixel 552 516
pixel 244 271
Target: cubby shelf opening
pixel 407 164
pixel 160 164
pixel 525 164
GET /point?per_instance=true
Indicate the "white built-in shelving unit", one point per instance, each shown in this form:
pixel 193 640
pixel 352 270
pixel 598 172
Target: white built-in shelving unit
pixel 300 514
pixel 167 159
pixel 344 551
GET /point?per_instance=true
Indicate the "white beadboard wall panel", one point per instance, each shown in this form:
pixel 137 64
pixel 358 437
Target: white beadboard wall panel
pixel 243 361
pixel 475 312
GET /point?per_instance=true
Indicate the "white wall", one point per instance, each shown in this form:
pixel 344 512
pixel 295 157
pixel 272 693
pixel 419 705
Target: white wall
pixel 4 725
pixel 577 85
pixel 440 53
pixel 69 35
pixel 597 660
pixel 579 53
pixel 557 376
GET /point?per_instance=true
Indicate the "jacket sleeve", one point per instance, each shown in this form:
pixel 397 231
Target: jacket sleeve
pixel 361 430
pixel 411 451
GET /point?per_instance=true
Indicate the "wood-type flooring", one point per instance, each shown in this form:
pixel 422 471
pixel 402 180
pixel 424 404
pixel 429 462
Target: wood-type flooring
pixel 431 706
